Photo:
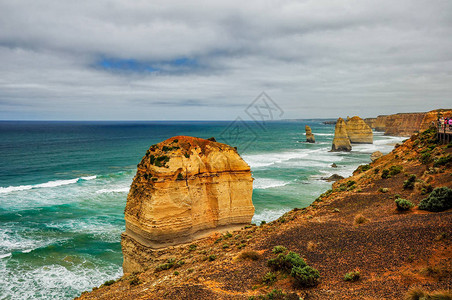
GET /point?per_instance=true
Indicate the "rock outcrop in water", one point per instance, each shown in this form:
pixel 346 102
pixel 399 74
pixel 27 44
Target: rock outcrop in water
pixel 185 188
pixel 341 142
pixel 309 136
pixel 358 131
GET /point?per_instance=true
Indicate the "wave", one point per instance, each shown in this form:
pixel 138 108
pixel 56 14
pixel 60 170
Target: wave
pixel 269 215
pixel 272 158
pixel 5 255
pixel 49 184
pixel 267 183
pixel 114 190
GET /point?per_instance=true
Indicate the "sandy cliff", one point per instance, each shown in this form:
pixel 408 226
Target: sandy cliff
pixel 358 131
pixel 341 142
pixel 184 189
pixel 405 124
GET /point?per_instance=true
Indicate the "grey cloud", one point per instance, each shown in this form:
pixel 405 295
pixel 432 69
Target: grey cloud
pixel 371 57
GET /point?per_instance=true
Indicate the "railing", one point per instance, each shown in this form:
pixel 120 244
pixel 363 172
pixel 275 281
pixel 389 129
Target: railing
pixel 444 134
pixel 445 128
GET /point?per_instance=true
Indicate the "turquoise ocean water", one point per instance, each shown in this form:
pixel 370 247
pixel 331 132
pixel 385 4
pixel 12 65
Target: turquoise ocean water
pixel 63 187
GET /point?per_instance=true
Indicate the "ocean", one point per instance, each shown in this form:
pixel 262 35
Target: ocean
pixel 63 189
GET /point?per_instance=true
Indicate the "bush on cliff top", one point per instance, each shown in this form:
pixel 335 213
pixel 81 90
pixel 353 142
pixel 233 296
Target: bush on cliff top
pixel 403 204
pixel 438 200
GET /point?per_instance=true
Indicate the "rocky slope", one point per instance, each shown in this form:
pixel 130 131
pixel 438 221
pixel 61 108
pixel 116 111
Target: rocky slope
pixel 184 189
pixel 309 136
pixel 358 131
pixel 355 226
pixel 341 141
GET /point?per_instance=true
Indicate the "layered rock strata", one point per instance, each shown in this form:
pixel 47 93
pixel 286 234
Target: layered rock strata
pixel 405 124
pixel 358 131
pixel 185 188
pixel 309 136
pixel 341 142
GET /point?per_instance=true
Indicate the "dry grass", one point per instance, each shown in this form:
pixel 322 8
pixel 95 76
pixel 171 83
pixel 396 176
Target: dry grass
pixel 252 255
pixel 311 246
pixel 360 219
pixel 419 294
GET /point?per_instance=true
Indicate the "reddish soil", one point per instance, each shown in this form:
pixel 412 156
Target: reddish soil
pixel 392 250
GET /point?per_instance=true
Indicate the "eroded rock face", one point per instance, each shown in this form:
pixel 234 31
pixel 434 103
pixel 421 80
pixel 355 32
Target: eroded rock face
pixel 309 136
pixel 341 142
pixel 376 155
pixel 358 131
pixel 185 188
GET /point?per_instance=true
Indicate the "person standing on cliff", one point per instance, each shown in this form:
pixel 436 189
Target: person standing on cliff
pixel 450 123
pixel 446 121
pixel 440 123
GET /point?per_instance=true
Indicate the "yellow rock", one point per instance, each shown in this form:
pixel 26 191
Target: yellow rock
pixel 358 131
pixel 184 189
pixel 341 142
pixel 309 136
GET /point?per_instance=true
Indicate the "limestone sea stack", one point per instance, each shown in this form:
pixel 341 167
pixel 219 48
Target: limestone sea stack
pixel 358 131
pixel 309 136
pixel 185 188
pixel 341 142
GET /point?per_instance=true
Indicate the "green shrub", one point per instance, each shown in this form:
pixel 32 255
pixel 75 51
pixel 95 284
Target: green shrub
pixel 166 266
pixel 269 278
pixel 442 161
pixel 212 257
pixel 109 282
pixel 187 155
pixel 263 222
pixel 180 176
pixel 286 262
pixel 134 281
pixel 438 200
pixel 352 276
pixel 226 245
pixel 383 190
pixel 394 170
pixel 409 184
pixel 192 247
pixel 425 158
pixel 279 249
pixel 305 276
pixel 385 174
pixel 403 204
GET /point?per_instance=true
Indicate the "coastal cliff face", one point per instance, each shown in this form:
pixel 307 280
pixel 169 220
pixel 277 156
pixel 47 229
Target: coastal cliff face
pixel 185 188
pixel 405 124
pixel 341 142
pixel 358 131
pixel 309 136
pixel 370 122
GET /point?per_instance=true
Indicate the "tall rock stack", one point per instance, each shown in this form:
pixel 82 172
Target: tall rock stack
pixel 309 136
pixel 358 131
pixel 185 188
pixel 341 142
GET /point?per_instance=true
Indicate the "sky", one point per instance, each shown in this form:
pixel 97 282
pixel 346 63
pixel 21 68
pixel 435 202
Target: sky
pixel 209 60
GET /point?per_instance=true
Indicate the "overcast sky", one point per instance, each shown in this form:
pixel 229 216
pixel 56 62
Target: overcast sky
pixel 208 60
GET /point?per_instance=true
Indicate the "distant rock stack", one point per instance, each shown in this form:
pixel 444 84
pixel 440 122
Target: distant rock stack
pixel 358 131
pixel 309 136
pixel 341 142
pixel 185 188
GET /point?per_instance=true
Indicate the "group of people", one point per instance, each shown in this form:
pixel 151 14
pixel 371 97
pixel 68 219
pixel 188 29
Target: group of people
pixel 443 123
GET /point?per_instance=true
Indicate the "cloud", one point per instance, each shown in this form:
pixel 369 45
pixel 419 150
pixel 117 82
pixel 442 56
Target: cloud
pixel 210 59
